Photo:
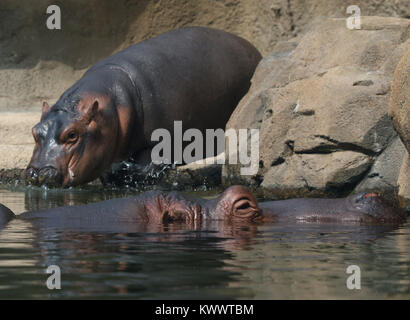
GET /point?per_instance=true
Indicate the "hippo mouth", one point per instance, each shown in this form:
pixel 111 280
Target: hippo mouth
pixel 48 176
pixel 70 175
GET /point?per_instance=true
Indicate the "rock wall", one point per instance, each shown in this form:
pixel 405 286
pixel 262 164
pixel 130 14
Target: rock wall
pixel 38 64
pixel 321 106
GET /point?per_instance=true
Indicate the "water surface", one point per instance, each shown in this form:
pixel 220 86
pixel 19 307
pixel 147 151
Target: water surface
pixel 217 261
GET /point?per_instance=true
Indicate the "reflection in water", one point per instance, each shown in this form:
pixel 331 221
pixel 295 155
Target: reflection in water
pixel 176 261
pixel 309 261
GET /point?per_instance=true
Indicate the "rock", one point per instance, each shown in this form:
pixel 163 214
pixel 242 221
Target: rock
pixel 399 110
pixel 404 183
pixel 385 171
pixel 320 102
pixel 400 99
pixel 324 174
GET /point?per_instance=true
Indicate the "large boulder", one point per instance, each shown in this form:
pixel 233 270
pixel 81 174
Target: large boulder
pixel 321 106
pixel 400 112
pixel 400 99
pixel 385 171
pixel 403 183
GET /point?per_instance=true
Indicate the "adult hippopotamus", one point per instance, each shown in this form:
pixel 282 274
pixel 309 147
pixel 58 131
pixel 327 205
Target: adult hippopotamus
pixel 237 203
pixel 195 75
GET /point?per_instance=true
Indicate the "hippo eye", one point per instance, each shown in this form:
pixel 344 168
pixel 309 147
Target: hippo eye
pixel 72 137
pixel 242 205
pixel 245 208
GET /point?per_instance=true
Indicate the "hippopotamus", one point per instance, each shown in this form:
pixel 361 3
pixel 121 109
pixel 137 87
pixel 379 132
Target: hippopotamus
pixel 196 75
pixel 235 204
pixel 5 215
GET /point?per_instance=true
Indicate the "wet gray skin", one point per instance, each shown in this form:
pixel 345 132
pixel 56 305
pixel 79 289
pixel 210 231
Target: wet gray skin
pixel 152 207
pixel 369 208
pixel 235 204
pixel 46 165
pixel 5 215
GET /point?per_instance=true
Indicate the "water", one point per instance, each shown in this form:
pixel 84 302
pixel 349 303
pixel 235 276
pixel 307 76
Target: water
pixel 221 261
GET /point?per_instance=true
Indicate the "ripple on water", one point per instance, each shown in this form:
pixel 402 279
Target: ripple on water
pixel 285 261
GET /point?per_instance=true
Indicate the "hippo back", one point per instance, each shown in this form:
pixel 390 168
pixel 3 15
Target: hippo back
pixel 5 215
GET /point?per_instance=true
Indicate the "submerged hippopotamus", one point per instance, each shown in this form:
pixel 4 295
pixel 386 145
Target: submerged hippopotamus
pixel 195 75
pixel 237 203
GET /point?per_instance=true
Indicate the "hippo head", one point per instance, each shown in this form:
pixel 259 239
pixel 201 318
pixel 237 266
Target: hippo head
pixel 237 203
pixel 73 144
pixel 374 207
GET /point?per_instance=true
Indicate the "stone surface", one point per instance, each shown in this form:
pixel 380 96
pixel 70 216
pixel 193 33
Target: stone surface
pixel 385 171
pixel 400 99
pixel 319 102
pixel 330 173
pixel 400 113
pixel 404 183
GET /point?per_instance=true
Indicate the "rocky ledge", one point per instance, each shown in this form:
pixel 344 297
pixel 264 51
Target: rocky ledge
pixel 322 105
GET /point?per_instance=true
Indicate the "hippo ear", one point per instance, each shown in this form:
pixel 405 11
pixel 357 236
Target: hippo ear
pixel 46 108
pixel 90 110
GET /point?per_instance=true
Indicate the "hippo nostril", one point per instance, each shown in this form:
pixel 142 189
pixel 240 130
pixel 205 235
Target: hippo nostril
pixel 49 176
pixel 31 175
pixel 31 172
pixel 47 173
